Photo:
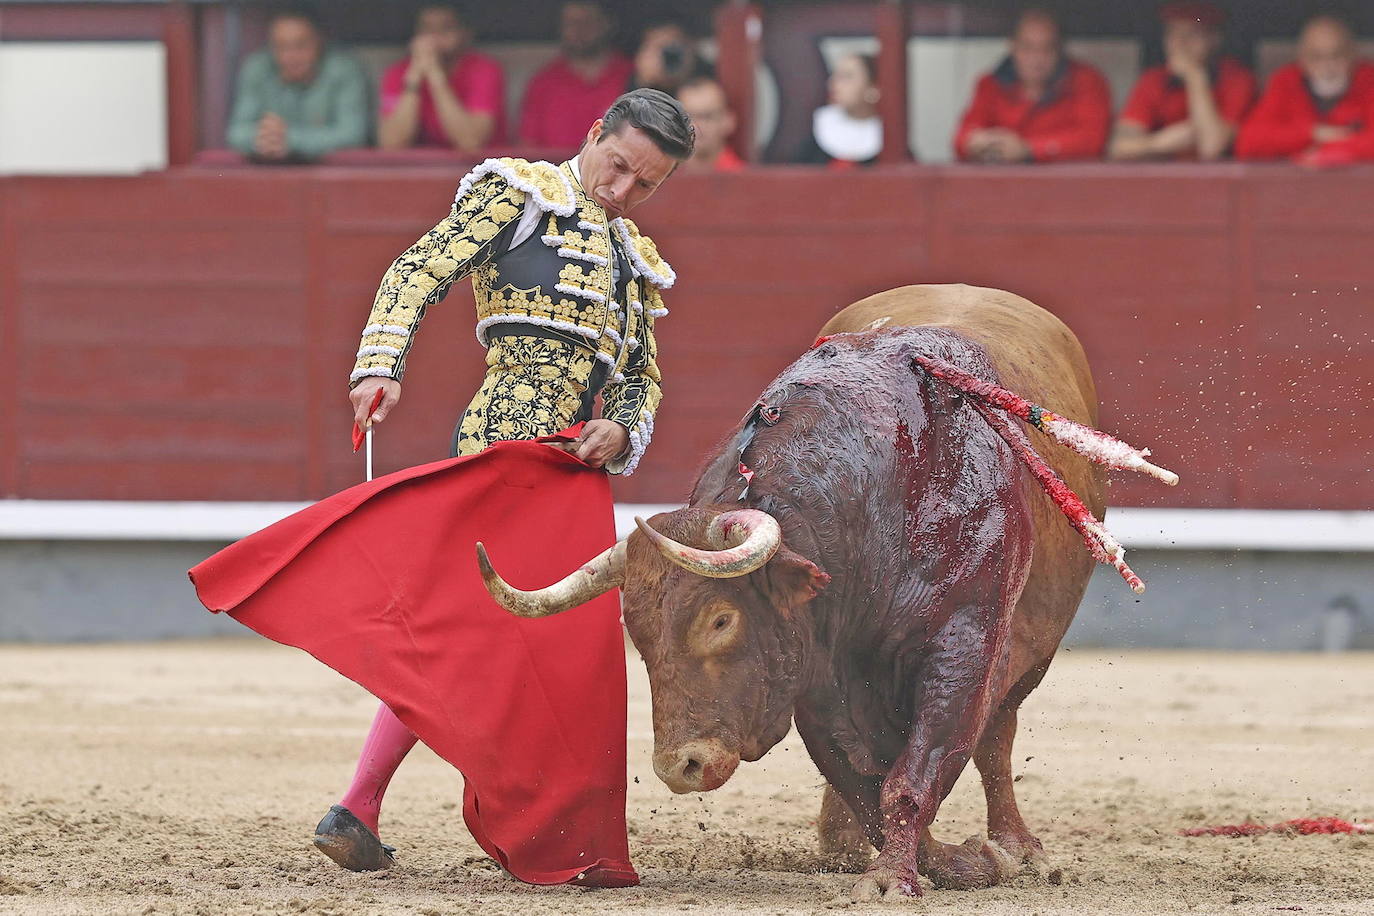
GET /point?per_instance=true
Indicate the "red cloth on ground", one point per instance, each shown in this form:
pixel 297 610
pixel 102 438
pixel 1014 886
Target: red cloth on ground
pixel 1071 122
pixel 560 106
pixel 1281 125
pixel 380 582
pixel 1160 99
pixel 476 79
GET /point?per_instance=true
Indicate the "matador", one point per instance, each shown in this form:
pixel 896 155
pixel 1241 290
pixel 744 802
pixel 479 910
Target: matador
pixel 568 291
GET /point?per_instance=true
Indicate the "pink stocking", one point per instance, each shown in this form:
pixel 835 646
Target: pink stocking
pixel 388 742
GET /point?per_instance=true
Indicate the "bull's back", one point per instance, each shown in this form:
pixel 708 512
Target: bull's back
pixel 1034 352
pixel 1038 357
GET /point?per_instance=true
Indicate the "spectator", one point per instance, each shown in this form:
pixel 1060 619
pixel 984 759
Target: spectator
pixel 444 93
pixel 1319 110
pixel 705 103
pixel 667 58
pixel 578 87
pixel 1038 105
pixel 298 99
pixel 848 131
pixel 1191 105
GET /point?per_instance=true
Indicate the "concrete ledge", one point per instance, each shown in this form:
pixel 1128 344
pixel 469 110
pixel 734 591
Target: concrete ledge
pixel 1153 529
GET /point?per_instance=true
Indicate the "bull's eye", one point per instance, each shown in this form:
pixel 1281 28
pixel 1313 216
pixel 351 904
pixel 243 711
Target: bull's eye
pixel 716 630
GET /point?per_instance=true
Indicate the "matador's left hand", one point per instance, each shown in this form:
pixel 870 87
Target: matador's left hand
pixel 601 441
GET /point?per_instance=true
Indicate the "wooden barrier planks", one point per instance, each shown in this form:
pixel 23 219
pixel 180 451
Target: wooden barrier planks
pixel 188 335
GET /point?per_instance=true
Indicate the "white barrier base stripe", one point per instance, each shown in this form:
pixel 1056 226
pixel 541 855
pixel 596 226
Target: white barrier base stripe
pixel 1243 529
pixel 81 520
pixel 1136 529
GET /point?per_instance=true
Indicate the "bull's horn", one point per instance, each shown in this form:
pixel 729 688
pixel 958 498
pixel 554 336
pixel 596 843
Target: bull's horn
pixel 595 577
pixel 757 535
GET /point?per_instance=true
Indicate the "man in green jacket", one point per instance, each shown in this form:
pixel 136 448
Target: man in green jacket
pixel 297 99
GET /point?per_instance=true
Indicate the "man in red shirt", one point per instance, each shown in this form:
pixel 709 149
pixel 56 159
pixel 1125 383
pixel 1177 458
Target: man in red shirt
pixel 705 103
pixel 574 90
pixel 1319 110
pixel 1038 105
pixel 1191 105
pixel 444 93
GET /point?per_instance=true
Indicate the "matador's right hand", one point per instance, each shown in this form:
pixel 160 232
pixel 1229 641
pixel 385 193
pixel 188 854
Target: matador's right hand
pixel 363 393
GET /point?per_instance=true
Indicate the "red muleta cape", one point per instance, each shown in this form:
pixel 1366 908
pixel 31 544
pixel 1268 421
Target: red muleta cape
pixel 380 582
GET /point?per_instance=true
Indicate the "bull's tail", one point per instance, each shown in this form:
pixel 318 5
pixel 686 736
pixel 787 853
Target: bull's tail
pixel 1091 443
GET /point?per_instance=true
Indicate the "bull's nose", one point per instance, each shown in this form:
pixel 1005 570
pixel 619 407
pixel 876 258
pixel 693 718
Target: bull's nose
pixel 697 766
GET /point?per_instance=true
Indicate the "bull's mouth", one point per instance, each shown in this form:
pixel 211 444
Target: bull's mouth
pixel 697 766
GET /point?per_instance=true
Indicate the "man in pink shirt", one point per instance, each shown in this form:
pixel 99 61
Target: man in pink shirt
pixel 444 93
pixel 578 87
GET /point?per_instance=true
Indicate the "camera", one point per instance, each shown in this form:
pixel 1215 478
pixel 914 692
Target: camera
pixel 674 58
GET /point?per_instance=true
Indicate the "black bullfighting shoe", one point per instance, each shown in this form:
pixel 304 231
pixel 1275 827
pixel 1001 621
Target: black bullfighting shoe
pixel 349 842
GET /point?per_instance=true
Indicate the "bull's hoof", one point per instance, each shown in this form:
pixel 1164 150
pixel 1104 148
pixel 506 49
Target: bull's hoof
pixel 883 883
pixel 350 843
pixel 1025 849
pixel 974 864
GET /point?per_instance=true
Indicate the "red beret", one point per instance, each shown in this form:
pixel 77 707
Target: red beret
pixel 1198 11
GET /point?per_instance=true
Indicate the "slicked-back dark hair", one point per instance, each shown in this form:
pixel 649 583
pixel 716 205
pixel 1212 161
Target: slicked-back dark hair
pixel 659 115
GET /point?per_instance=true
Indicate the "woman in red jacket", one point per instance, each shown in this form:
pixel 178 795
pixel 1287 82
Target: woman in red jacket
pixel 1191 106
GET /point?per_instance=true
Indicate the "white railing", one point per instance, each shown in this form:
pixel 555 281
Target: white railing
pixel 1155 529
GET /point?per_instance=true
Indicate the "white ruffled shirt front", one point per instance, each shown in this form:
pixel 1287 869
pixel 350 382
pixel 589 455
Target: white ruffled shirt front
pixel 842 137
pixel 531 219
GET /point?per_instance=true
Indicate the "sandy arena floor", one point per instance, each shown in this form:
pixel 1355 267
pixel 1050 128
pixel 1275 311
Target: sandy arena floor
pixel 187 778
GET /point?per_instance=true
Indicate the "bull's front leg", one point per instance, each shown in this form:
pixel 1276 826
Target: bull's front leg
pixel 954 700
pixel 843 845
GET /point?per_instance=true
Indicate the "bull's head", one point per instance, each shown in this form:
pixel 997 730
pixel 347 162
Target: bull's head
pixel 718 626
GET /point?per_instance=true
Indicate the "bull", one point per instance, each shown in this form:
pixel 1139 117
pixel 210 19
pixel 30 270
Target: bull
pixel 867 557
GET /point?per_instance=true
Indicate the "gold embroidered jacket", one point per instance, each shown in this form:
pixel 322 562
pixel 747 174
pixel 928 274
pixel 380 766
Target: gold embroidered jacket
pixel 561 280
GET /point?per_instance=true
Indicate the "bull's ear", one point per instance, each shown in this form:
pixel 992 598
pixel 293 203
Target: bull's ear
pixel 793 580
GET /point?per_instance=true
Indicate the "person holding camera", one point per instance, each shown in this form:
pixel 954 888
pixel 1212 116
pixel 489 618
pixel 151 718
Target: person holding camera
pixel 667 58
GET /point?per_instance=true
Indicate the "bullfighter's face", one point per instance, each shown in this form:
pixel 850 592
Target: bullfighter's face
pixel 726 658
pixel 623 168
